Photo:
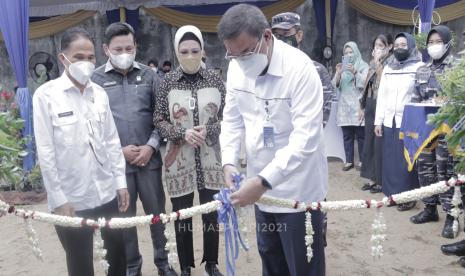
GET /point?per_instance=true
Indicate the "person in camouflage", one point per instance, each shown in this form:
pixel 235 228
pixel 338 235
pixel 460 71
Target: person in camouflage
pixel 435 163
pixel 286 27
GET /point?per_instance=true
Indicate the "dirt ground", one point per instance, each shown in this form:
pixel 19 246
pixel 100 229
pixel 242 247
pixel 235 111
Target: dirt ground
pixel 409 250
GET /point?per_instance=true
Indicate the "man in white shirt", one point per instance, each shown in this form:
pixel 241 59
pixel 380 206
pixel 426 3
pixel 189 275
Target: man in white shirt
pixel 274 97
pixel 80 155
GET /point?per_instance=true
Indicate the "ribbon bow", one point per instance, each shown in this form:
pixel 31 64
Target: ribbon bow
pixel 227 216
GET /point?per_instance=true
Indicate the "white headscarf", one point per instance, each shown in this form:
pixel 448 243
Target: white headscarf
pixel 187 29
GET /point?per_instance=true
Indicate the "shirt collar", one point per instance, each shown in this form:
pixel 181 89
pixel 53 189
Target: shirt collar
pixel 67 84
pixel 179 74
pixel 275 67
pixel 109 66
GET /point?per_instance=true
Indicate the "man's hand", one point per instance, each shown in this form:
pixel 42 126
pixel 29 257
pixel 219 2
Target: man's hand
pixel 143 158
pixel 123 200
pixel 361 115
pixel 378 131
pixel 130 153
pixel 64 210
pixel 202 130
pixel 249 193
pixel 229 171
pixel 194 138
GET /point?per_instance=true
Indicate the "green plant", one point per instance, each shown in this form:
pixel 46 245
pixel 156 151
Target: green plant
pixel 11 149
pixel 34 178
pixel 453 111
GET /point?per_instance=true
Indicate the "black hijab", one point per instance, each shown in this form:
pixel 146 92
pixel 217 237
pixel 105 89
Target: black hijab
pixel 412 50
pixel 446 36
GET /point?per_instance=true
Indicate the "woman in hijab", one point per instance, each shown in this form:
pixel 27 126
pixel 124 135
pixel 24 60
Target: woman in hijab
pixel 350 80
pixel 188 112
pixel 436 163
pixel 371 159
pixel 395 90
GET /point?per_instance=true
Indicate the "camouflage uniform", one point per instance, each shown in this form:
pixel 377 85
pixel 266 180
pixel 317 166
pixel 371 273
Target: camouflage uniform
pixel 437 163
pixel 328 90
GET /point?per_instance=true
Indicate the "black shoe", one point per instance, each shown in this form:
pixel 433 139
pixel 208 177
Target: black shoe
pixel 347 166
pixel 367 186
pixel 212 270
pixel 462 261
pixel 167 271
pixel 456 248
pixel 376 189
pixel 406 206
pixel 186 271
pixel 430 213
pixel 448 230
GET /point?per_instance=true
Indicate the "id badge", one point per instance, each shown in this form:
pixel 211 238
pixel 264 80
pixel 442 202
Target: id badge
pixel 268 136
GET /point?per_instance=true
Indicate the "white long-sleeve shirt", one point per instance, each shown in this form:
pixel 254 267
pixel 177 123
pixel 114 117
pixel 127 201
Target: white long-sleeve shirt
pixel 296 166
pixel 396 88
pixel 78 146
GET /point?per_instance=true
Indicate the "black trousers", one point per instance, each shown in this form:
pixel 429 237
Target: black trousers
pixel 184 229
pixel 350 133
pixel 281 244
pixel 78 243
pixel 145 184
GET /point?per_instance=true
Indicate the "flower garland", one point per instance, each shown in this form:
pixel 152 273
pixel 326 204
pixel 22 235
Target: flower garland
pixel 309 235
pixel 378 226
pixel 170 245
pixel 99 251
pixel 378 236
pixel 455 212
pixel 33 239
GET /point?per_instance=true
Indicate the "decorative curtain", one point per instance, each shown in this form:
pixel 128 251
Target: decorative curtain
pixel 426 8
pixel 400 12
pixel 208 23
pixel 57 24
pixel 14 24
pixel 325 13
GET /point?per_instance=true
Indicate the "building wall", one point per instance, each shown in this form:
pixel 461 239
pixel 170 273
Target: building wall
pixel 155 39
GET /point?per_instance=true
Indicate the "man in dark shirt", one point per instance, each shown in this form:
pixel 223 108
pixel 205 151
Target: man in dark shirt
pixel 131 89
pixel 286 27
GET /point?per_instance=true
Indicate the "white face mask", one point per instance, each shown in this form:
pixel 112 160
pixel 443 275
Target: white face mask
pixel 436 51
pixel 253 65
pixel 122 61
pixel 81 71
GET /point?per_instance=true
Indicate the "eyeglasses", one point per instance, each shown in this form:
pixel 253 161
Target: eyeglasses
pixel 244 55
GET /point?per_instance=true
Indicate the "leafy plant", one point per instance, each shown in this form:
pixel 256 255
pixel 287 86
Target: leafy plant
pixel 453 111
pixel 11 149
pixel 34 178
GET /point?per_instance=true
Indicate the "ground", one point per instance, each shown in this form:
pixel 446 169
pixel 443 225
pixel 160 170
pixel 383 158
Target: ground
pixel 409 250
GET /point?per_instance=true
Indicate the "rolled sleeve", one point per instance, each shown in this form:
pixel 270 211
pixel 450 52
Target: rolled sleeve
pixel 120 182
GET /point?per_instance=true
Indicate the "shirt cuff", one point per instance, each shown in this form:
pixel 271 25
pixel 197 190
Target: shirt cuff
pixel 154 143
pixel 56 199
pixel 228 158
pixel 265 182
pixel 272 175
pixel 120 182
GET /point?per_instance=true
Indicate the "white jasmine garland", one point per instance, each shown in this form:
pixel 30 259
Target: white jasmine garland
pixel 32 238
pixel 455 212
pixel 378 235
pixel 170 245
pixel 99 251
pixel 309 235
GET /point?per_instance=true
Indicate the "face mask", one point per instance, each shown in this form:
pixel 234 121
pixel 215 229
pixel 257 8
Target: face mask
pixel 81 71
pixel 291 40
pixel 436 51
pixel 253 65
pixel 379 53
pixel 190 64
pixel 122 61
pixel 401 54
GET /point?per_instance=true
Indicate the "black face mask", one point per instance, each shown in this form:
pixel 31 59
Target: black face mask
pixel 401 54
pixel 291 40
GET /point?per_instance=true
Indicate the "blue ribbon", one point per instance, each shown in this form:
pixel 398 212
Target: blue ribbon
pixel 227 216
